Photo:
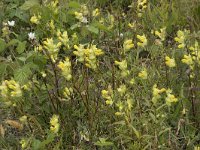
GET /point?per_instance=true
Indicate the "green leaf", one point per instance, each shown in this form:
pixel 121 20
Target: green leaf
pixel 3 67
pixel 74 4
pixel 2 45
pixel 102 142
pixel 21 47
pixel 93 29
pixel 29 4
pixel 12 42
pixel 36 144
pixel 137 133
pixel 22 74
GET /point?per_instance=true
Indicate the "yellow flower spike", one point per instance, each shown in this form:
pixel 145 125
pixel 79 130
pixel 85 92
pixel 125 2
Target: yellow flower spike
pixel 156 93
pixel 143 74
pixel 128 44
pixel 170 62
pixel 181 37
pixel 187 59
pixel 95 12
pixel 54 124
pixel 52 47
pixel 65 66
pixel 123 67
pixel 35 19
pixel 161 34
pixel 122 89
pixel 142 39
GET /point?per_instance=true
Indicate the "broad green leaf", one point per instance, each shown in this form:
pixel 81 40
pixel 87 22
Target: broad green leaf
pixel 12 42
pixel 21 47
pixel 29 4
pixel 2 45
pixel 93 29
pixel 22 74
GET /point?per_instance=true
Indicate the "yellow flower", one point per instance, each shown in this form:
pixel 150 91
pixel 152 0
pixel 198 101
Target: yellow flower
pixel 170 62
pixel 156 93
pixel 23 143
pixel 170 97
pixel 52 47
pixel 143 40
pixel 107 94
pixel 143 74
pixel 95 12
pixel 54 124
pixel 122 89
pixel 161 34
pixel 128 44
pixel 65 66
pixel 131 25
pixel 67 92
pixel 123 67
pixel 181 36
pixel 63 37
pixel 187 59
pixel 88 55
pixel 35 19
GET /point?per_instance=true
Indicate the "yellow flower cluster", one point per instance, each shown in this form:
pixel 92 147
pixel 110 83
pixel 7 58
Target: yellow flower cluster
pixel 63 38
pixel 88 55
pixel 35 19
pixel 170 97
pixel 123 67
pixel 187 59
pixel 65 66
pixel 122 89
pixel 67 92
pixel 95 12
pixel 195 52
pixel 170 62
pixel 128 44
pixel 143 40
pixel 143 74
pixel 52 48
pixel 10 87
pixel 108 95
pixel 54 124
pixel 156 93
pixel 53 5
pixel 181 37
pixel 161 34
pixel 81 16
pixel 141 6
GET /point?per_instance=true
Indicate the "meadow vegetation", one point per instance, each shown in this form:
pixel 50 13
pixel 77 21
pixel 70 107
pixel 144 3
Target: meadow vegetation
pixel 100 74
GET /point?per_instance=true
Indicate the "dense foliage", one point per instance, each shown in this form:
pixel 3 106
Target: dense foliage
pixel 100 74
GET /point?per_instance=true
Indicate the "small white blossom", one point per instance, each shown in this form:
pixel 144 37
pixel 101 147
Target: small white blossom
pixel 11 23
pixel 31 36
pixel 84 20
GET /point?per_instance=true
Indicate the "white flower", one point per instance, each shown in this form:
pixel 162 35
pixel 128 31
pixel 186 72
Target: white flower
pixel 84 20
pixel 11 23
pixel 31 36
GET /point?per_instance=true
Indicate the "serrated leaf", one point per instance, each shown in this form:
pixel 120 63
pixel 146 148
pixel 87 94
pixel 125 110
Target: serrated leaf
pixel 29 4
pixel 21 47
pixel 2 45
pixel 93 29
pixel 22 74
